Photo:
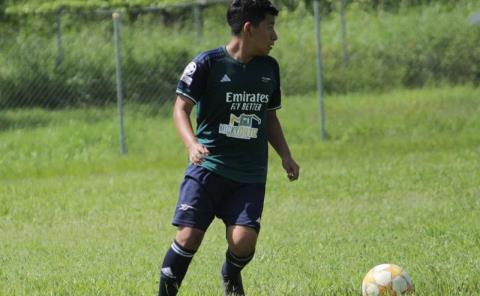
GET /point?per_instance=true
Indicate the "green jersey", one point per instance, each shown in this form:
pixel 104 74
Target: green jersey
pixel 232 100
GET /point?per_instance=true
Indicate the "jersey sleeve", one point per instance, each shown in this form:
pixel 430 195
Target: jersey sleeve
pixel 192 83
pixel 276 99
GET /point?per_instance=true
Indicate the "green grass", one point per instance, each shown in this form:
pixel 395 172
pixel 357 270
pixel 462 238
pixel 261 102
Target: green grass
pixel 396 182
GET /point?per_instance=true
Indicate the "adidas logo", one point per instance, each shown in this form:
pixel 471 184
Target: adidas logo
pixel 225 78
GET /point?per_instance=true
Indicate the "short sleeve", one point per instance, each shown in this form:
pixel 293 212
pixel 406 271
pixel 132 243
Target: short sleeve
pixel 192 83
pixel 276 100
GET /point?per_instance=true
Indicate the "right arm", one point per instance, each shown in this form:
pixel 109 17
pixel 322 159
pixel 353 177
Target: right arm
pixel 181 116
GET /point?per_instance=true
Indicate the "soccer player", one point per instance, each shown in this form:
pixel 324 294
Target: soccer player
pixel 236 91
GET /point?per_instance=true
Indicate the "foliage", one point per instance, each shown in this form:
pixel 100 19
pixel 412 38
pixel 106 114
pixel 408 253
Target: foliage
pixel 41 7
pixel 328 6
pixel 2 9
pixel 26 7
pixel 87 73
pixel 414 48
pixel 431 45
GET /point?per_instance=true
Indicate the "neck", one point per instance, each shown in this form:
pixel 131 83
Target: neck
pixel 238 50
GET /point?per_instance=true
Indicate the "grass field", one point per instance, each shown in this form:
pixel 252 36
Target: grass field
pixel 398 181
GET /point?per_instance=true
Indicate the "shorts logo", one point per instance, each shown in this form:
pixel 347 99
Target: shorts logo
pixel 186 207
pixel 243 130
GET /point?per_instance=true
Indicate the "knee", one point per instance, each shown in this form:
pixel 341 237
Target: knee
pixel 241 240
pixel 189 238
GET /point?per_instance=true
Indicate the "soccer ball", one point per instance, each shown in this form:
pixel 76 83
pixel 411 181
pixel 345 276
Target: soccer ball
pixel 387 279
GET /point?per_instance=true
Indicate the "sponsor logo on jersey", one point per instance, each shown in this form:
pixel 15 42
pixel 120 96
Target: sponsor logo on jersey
pixel 246 101
pixel 246 97
pixel 240 127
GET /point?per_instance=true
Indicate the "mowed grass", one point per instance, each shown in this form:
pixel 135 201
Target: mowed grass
pixel 397 182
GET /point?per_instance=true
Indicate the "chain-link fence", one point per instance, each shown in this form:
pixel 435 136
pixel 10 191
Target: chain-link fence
pixel 65 59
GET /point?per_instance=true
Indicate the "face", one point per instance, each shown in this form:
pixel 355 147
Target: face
pixel 263 36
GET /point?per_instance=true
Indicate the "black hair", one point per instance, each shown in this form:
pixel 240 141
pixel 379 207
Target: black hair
pixel 253 11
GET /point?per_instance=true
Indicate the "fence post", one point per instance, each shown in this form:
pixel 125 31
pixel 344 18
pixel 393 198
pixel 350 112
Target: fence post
pixel 344 32
pixel 116 24
pixel 58 31
pixel 316 7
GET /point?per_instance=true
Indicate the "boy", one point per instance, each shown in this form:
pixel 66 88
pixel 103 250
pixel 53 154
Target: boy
pixel 236 89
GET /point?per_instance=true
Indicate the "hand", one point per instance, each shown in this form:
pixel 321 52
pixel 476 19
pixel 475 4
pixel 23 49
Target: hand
pixel 197 153
pixel 291 167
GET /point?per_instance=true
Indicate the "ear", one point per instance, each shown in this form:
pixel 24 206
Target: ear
pixel 247 28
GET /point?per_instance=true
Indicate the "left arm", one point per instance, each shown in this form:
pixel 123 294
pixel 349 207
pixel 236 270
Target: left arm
pixel 277 140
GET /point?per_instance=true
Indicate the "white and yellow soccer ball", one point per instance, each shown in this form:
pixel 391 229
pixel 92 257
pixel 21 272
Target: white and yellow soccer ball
pixel 387 279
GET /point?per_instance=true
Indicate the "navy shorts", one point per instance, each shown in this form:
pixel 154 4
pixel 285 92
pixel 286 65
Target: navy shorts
pixel 204 195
